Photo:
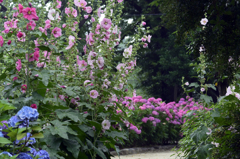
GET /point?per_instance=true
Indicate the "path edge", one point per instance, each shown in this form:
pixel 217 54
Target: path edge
pixel 135 150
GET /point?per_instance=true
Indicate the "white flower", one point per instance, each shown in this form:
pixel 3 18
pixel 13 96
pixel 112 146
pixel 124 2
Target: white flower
pixel 106 124
pixel 210 131
pixel 204 21
pixel 202 89
pixel 53 14
pixel 186 83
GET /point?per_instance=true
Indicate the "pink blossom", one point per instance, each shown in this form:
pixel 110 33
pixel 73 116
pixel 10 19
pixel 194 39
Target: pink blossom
pixel 8 25
pixel 43 30
pixel 94 94
pixel 64 25
pixel 151 118
pixel 20 7
pixel 19 65
pixel 9 42
pixel 155 112
pixel 99 12
pixel 93 19
pixel 88 9
pixel 47 24
pixel 36 56
pixel 59 4
pixel 74 26
pixel 41 64
pixel 24 88
pixel 1 41
pixel 145 119
pixel 120 66
pixel 138 131
pixel 80 3
pixel 145 45
pixel 71 42
pixel 15 78
pixel 29 13
pixel 53 14
pixel 34 106
pixel 82 65
pixel 120 1
pixel 74 12
pixel 86 16
pixel 57 32
pixel 106 23
pixel 143 23
pixel 21 36
pixel 149 38
pixel 62 97
pixel 100 62
pixel 31 25
pixel 30 57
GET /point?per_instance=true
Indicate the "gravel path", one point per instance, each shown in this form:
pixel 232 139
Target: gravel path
pixel 148 155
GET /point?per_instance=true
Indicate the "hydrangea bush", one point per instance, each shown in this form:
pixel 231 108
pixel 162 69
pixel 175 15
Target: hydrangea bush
pixel 18 135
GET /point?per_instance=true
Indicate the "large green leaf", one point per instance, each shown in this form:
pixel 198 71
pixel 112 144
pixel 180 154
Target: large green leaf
pixel 4 141
pixel 69 113
pixel 59 129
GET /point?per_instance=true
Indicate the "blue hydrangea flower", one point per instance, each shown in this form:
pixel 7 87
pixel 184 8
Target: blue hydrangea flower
pixel 4 153
pixel 43 154
pixel 27 113
pixel 24 156
pixel 1 134
pixel 33 151
pixel 13 121
pixel 31 141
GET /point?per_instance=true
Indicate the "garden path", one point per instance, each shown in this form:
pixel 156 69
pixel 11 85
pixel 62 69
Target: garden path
pixel 148 155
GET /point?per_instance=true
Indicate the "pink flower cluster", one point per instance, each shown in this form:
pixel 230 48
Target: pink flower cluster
pixel 155 109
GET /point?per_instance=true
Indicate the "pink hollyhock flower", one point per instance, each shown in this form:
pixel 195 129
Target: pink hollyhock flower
pixel 19 65
pixel 93 19
pixel 86 82
pixel 30 57
pixel 157 120
pixel 154 123
pixel 80 3
pixel 21 36
pixel 29 13
pixel 8 25
pixel 62 97
pixel 88 9
pixel 94 94
pixel 57 32
pixel 53 14
pixel 143 23
pixel 74 26
pixel 31 25
pixel 71 42
pixel 204 21
pixel 100 62
pixel 202 89
pixel 99 12
pixel 85 49
pixel 68 11
pixel 120 1
pixel 9 42
pixel 82 65
pixel 34 106
pixel 41 64
pixel 137 131
pixel 120 66
pixel 59 4
pixel 132 127
pixel 106 23
pixel 149 38
pixel 43 30
pixel 64 25
pixel 47 24
pixel 74 12
pixel 143 39
pixel 15 78
pixel 20 8
pixel 106 124
pixel 167 119
pixel 1 41
pixel 36 56
pixel 145 45
pixel 86 16
pixel 24 88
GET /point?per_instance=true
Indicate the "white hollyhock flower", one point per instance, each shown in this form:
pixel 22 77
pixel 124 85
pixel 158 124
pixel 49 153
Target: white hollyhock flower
pixel 106 124
pixel 204 21
pixel 53 14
